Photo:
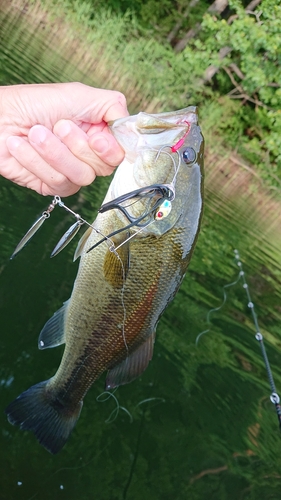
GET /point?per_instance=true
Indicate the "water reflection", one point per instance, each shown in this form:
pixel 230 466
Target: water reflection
pixel 201 425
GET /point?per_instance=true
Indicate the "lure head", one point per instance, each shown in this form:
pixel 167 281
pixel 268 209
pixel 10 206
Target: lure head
pixel 165 148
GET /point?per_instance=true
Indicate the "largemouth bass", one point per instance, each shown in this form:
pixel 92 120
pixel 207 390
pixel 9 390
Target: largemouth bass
pixel 126 277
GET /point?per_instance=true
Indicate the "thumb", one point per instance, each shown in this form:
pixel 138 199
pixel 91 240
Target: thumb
pixel 94 105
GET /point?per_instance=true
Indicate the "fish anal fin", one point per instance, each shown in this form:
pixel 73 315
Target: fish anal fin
pixel 52 333
pixel 81 243
pixel 117 262
pixel 132 367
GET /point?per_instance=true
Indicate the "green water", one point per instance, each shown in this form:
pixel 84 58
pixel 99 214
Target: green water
pixel 198 424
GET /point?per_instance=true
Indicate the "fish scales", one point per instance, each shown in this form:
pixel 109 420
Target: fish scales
pixel 109 322
pixel 102 352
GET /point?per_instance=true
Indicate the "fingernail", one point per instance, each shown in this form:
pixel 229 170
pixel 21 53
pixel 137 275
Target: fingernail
pixel 13 143
pixel 62 128
pixel 37 134
pixel 99 145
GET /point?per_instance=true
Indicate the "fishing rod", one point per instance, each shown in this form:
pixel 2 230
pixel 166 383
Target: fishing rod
pixel 274 397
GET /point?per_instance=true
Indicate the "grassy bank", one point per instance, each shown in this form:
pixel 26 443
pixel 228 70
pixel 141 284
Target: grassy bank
pixel 241 101
pixel 107 50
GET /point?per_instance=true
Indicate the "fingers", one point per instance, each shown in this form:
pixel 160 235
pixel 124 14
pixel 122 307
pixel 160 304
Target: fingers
pixel 72 145
pixel 59 157
pixel 108 150
pixel 31 170
pixel 118 108
pixel 94 105
pixel 98 148
pixel 15 172
pixel 63 164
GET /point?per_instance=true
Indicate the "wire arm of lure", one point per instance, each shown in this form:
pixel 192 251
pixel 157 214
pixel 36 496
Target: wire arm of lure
pixel 73 230
pixel 176 167
pixel 125 228
pixel 158 211
pixel 162 190
pixel 166 192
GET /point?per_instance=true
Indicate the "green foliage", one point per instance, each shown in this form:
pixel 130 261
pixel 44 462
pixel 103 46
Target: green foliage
pixel 251 74
pixel 153 17
pixel 244 93
pixel 200 427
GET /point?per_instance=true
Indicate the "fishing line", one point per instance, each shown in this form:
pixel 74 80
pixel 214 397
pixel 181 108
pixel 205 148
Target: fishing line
pixel 148 400
pixel 132 236
pixel 166 194
pixel 122 298
pixel 66 391
pixel 66 238
pixel 79 218
pixel 132 224
pixel 114 250
pixel 138 443
pixel 115 412
pixel 164 191
pixel 217 308
pixel 176 167
pixel 274 397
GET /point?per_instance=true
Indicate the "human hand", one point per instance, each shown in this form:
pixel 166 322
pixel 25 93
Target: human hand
pixel 54 138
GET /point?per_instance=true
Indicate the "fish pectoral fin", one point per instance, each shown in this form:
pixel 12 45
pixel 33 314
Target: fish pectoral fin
pixel 82 243
pixel 52 333
pixel 132 367
pixel 117 262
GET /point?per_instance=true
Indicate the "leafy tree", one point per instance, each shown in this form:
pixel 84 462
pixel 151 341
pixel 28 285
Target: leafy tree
pixel 250 73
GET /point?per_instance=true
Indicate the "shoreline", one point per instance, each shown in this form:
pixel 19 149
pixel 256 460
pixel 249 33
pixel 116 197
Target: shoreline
pixel 226 173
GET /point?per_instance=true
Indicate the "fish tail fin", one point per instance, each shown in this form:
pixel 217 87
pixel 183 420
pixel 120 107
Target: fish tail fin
pixel 40 411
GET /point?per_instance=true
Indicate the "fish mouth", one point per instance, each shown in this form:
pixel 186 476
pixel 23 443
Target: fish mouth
pixel 146 130
pixel 159 121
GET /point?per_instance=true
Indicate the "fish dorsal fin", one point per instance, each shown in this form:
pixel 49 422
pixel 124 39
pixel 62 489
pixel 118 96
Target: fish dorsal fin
pixel 81 243
pixel 52 333
pixel 115 267
pixel 132 367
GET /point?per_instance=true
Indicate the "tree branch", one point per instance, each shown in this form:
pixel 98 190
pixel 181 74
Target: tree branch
pixel 217 7
pixel 212 70
pixel 173 33
pixel 240 89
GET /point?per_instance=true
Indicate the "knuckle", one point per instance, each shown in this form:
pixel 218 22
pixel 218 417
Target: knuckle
pixel 87 181
pixel 104 169
pixel 84 176
pixel 107 171
pixel 115 159
pixel 120 97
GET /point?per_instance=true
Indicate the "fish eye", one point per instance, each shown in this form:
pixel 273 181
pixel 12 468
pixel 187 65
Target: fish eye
pixel 188 155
